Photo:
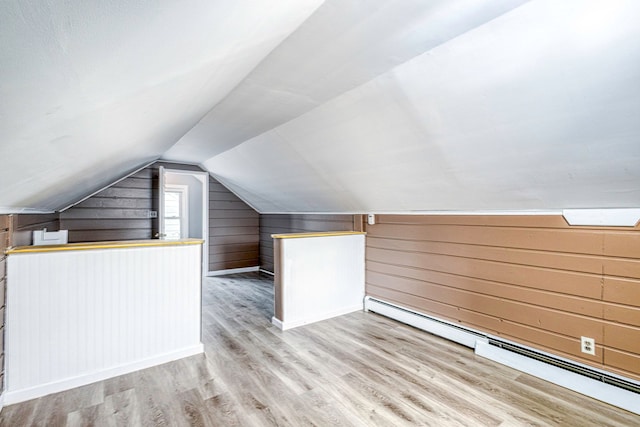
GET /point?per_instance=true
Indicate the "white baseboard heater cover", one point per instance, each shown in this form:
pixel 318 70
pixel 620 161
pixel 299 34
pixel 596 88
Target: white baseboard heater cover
pixel 609 388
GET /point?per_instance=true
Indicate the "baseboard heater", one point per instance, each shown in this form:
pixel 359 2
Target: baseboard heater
pixel 583 379
pixel 569 366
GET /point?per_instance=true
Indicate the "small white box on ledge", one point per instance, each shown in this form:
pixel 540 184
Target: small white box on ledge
pixel 44 237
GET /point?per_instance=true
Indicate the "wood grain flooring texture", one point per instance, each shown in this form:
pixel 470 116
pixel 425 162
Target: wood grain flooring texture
pixel 356 370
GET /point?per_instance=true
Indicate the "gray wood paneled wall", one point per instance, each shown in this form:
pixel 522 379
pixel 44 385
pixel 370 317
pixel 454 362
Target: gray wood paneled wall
pixel 530 279
pixel 24 224
pixel 120 212
pixel 233 230
pixel 299 223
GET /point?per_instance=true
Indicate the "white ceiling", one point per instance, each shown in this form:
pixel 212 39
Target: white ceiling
pixel 334 106
pixel 91 89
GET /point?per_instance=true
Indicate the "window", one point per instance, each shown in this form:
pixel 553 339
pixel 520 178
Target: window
pixel 175 213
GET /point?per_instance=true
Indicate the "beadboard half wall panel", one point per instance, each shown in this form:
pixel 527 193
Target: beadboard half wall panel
pixel 5 242
pixel 120 212
pixel 532 279
pixel 79 316
pixel 17 230
pixel 299 223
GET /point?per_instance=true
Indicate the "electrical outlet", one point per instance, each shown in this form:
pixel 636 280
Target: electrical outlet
pixel 588 345
pixel 152 214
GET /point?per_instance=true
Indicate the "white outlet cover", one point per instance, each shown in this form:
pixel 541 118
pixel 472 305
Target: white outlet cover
pixel 588 345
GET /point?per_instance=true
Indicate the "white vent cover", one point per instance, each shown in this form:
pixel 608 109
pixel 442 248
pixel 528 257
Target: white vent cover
pixel 602 217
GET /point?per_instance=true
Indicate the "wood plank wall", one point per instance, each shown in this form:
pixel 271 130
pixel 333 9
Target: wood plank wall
pixel 233 230
pixel 23 226
pixel 299 223
pixel 530 279
pixel 120 212
pixel 5 242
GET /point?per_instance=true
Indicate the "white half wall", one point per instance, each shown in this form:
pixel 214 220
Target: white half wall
pixel 77 316
pixel 318 276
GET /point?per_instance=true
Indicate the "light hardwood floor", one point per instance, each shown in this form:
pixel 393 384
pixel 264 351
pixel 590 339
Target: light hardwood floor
pixel 357 370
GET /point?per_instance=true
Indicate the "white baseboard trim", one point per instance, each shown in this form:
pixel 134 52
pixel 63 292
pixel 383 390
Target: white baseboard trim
pixel 277 323
pixel 270 273
pixel 16 396
pixel 596 389
pixel 232 271
pixel 300 322
pixel 423 322
pixel 480 342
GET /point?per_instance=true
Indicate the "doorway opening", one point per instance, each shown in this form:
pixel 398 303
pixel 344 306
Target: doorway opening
pixel 184 208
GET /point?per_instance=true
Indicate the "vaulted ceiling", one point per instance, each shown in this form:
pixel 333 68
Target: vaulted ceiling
pixel 326 106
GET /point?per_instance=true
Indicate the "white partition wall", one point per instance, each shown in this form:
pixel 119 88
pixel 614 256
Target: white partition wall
pixel 81 313
pixel 318 276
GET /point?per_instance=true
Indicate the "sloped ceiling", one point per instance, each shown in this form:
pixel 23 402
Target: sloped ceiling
pixel 334 106
pixel 90 89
